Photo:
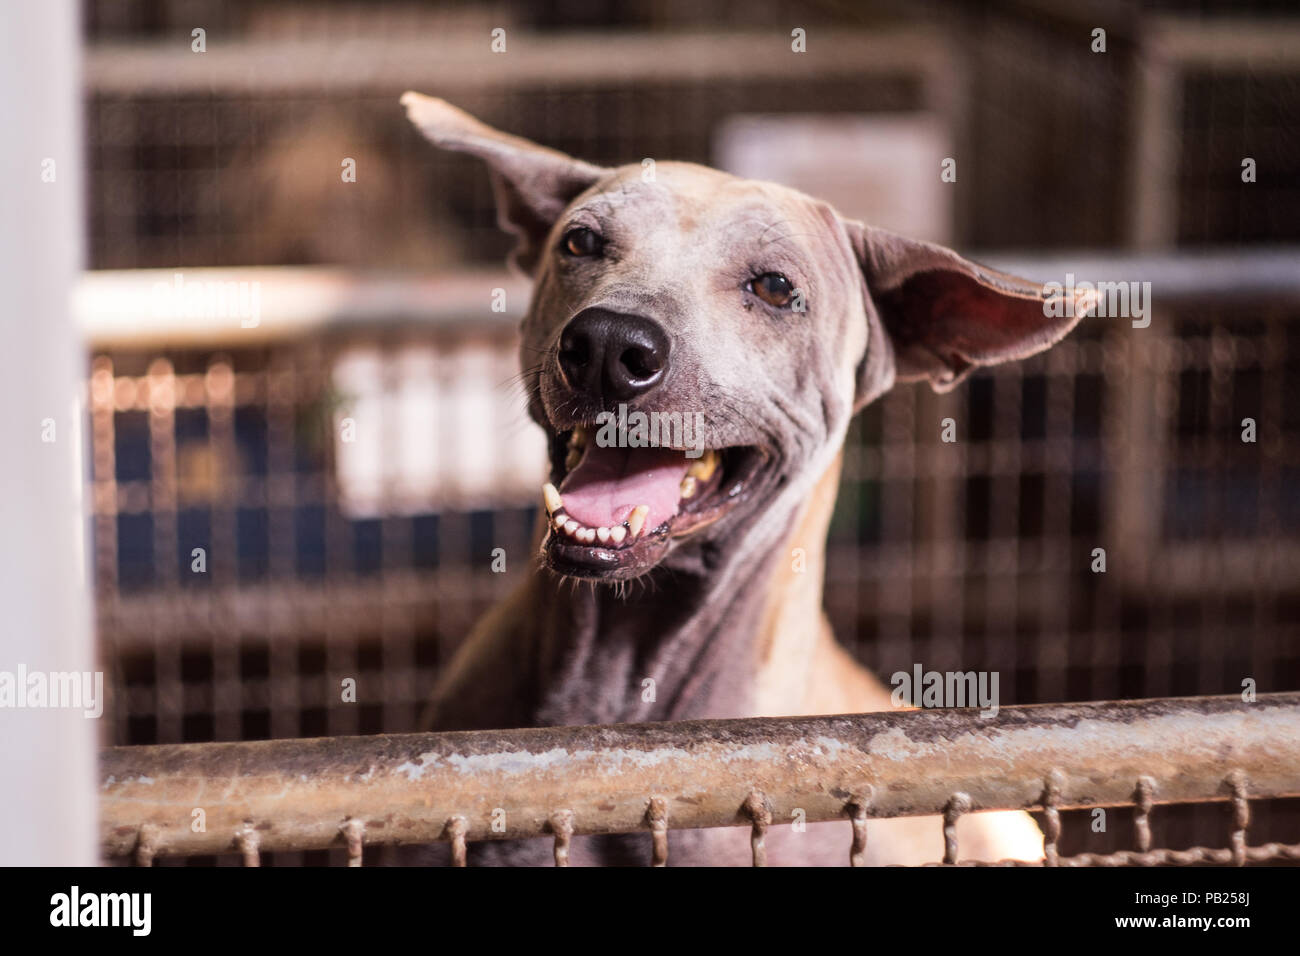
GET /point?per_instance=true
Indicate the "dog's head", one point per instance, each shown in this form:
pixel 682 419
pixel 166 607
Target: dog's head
pixel 697 343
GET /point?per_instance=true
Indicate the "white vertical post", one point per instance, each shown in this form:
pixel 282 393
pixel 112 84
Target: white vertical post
pixel 47 754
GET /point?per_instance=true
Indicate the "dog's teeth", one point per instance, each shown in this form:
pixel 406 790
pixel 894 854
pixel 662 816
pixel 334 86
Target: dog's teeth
pixel 704 467
pixel 603 534
pixel 636 520
pixel 559 519
pixel 587 535
pixel 579 437
pixel 552 498
pixel 572 458
pixel 571 528
pixel 617 534
pixel 688 487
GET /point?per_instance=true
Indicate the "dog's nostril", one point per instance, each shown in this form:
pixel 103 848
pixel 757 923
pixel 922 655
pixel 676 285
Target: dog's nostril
pixel 641 363
pixel 574 346
pixel 576 355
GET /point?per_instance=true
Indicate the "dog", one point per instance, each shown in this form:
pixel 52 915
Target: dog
pixel 666 588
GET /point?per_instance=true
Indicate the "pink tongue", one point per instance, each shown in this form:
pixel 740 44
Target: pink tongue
pixel 609 482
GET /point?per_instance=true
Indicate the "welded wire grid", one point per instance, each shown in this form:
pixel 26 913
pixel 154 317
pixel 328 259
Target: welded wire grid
pixel 970 555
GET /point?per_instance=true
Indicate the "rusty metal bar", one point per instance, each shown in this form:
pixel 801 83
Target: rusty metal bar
pixel 419 788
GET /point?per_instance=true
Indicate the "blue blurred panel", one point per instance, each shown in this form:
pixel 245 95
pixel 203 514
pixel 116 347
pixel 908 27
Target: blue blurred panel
pixel 250 436
pixel 482 536
pixel 1239 501
pixel 368 546
pixel 131 446
pixel 978 491
pixel 135 570
pixel 193 530
pixel 1186 500
pixel 425 542
pixel 1086 490
pixel 1289 506
pixel 191 425
pixel 1033 407
pixel 1089 390
pixel 309 538
pixel 980 408
pixel 253 543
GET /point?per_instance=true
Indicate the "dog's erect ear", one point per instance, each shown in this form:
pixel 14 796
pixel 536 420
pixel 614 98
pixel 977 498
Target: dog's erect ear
pixel 944 315
pixel 533 184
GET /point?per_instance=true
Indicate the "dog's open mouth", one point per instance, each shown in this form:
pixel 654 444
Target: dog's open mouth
pixel 617 508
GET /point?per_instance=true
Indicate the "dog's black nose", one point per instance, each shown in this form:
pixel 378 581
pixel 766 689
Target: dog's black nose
pixel 612 356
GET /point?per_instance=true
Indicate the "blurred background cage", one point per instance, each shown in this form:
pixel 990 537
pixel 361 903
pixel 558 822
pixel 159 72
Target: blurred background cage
pixel 322 495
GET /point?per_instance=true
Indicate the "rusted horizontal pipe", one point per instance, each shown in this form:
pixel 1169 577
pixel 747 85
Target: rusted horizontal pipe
pixel 302 794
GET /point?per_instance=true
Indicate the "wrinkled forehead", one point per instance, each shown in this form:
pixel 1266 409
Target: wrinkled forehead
pixel 691 199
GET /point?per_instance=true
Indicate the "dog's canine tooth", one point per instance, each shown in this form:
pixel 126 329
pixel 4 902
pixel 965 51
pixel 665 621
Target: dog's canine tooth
pixel 603 534
pixel 579 437
pixel 636 520
pixel 704 467
pixel 572 458
pixel 552 498
pixel 688 487
pixel 571 528
pixel 617 534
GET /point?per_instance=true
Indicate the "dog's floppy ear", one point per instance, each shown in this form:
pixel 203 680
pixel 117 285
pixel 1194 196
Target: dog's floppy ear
pixel 532 184
pixel 944 315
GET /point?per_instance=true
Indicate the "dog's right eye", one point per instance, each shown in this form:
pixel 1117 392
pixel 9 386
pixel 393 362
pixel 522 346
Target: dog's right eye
pixel 773 288
pixel 582 242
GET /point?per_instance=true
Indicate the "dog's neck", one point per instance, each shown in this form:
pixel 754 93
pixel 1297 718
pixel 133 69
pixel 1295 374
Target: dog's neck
pixel 731 633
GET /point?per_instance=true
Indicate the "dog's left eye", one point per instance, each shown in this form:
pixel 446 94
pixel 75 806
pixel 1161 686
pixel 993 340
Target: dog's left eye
pixel 773 288
pixel 582 242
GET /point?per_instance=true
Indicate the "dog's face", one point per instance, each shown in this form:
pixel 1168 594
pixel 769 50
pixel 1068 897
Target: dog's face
pixel 705 302
pixel 697 343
